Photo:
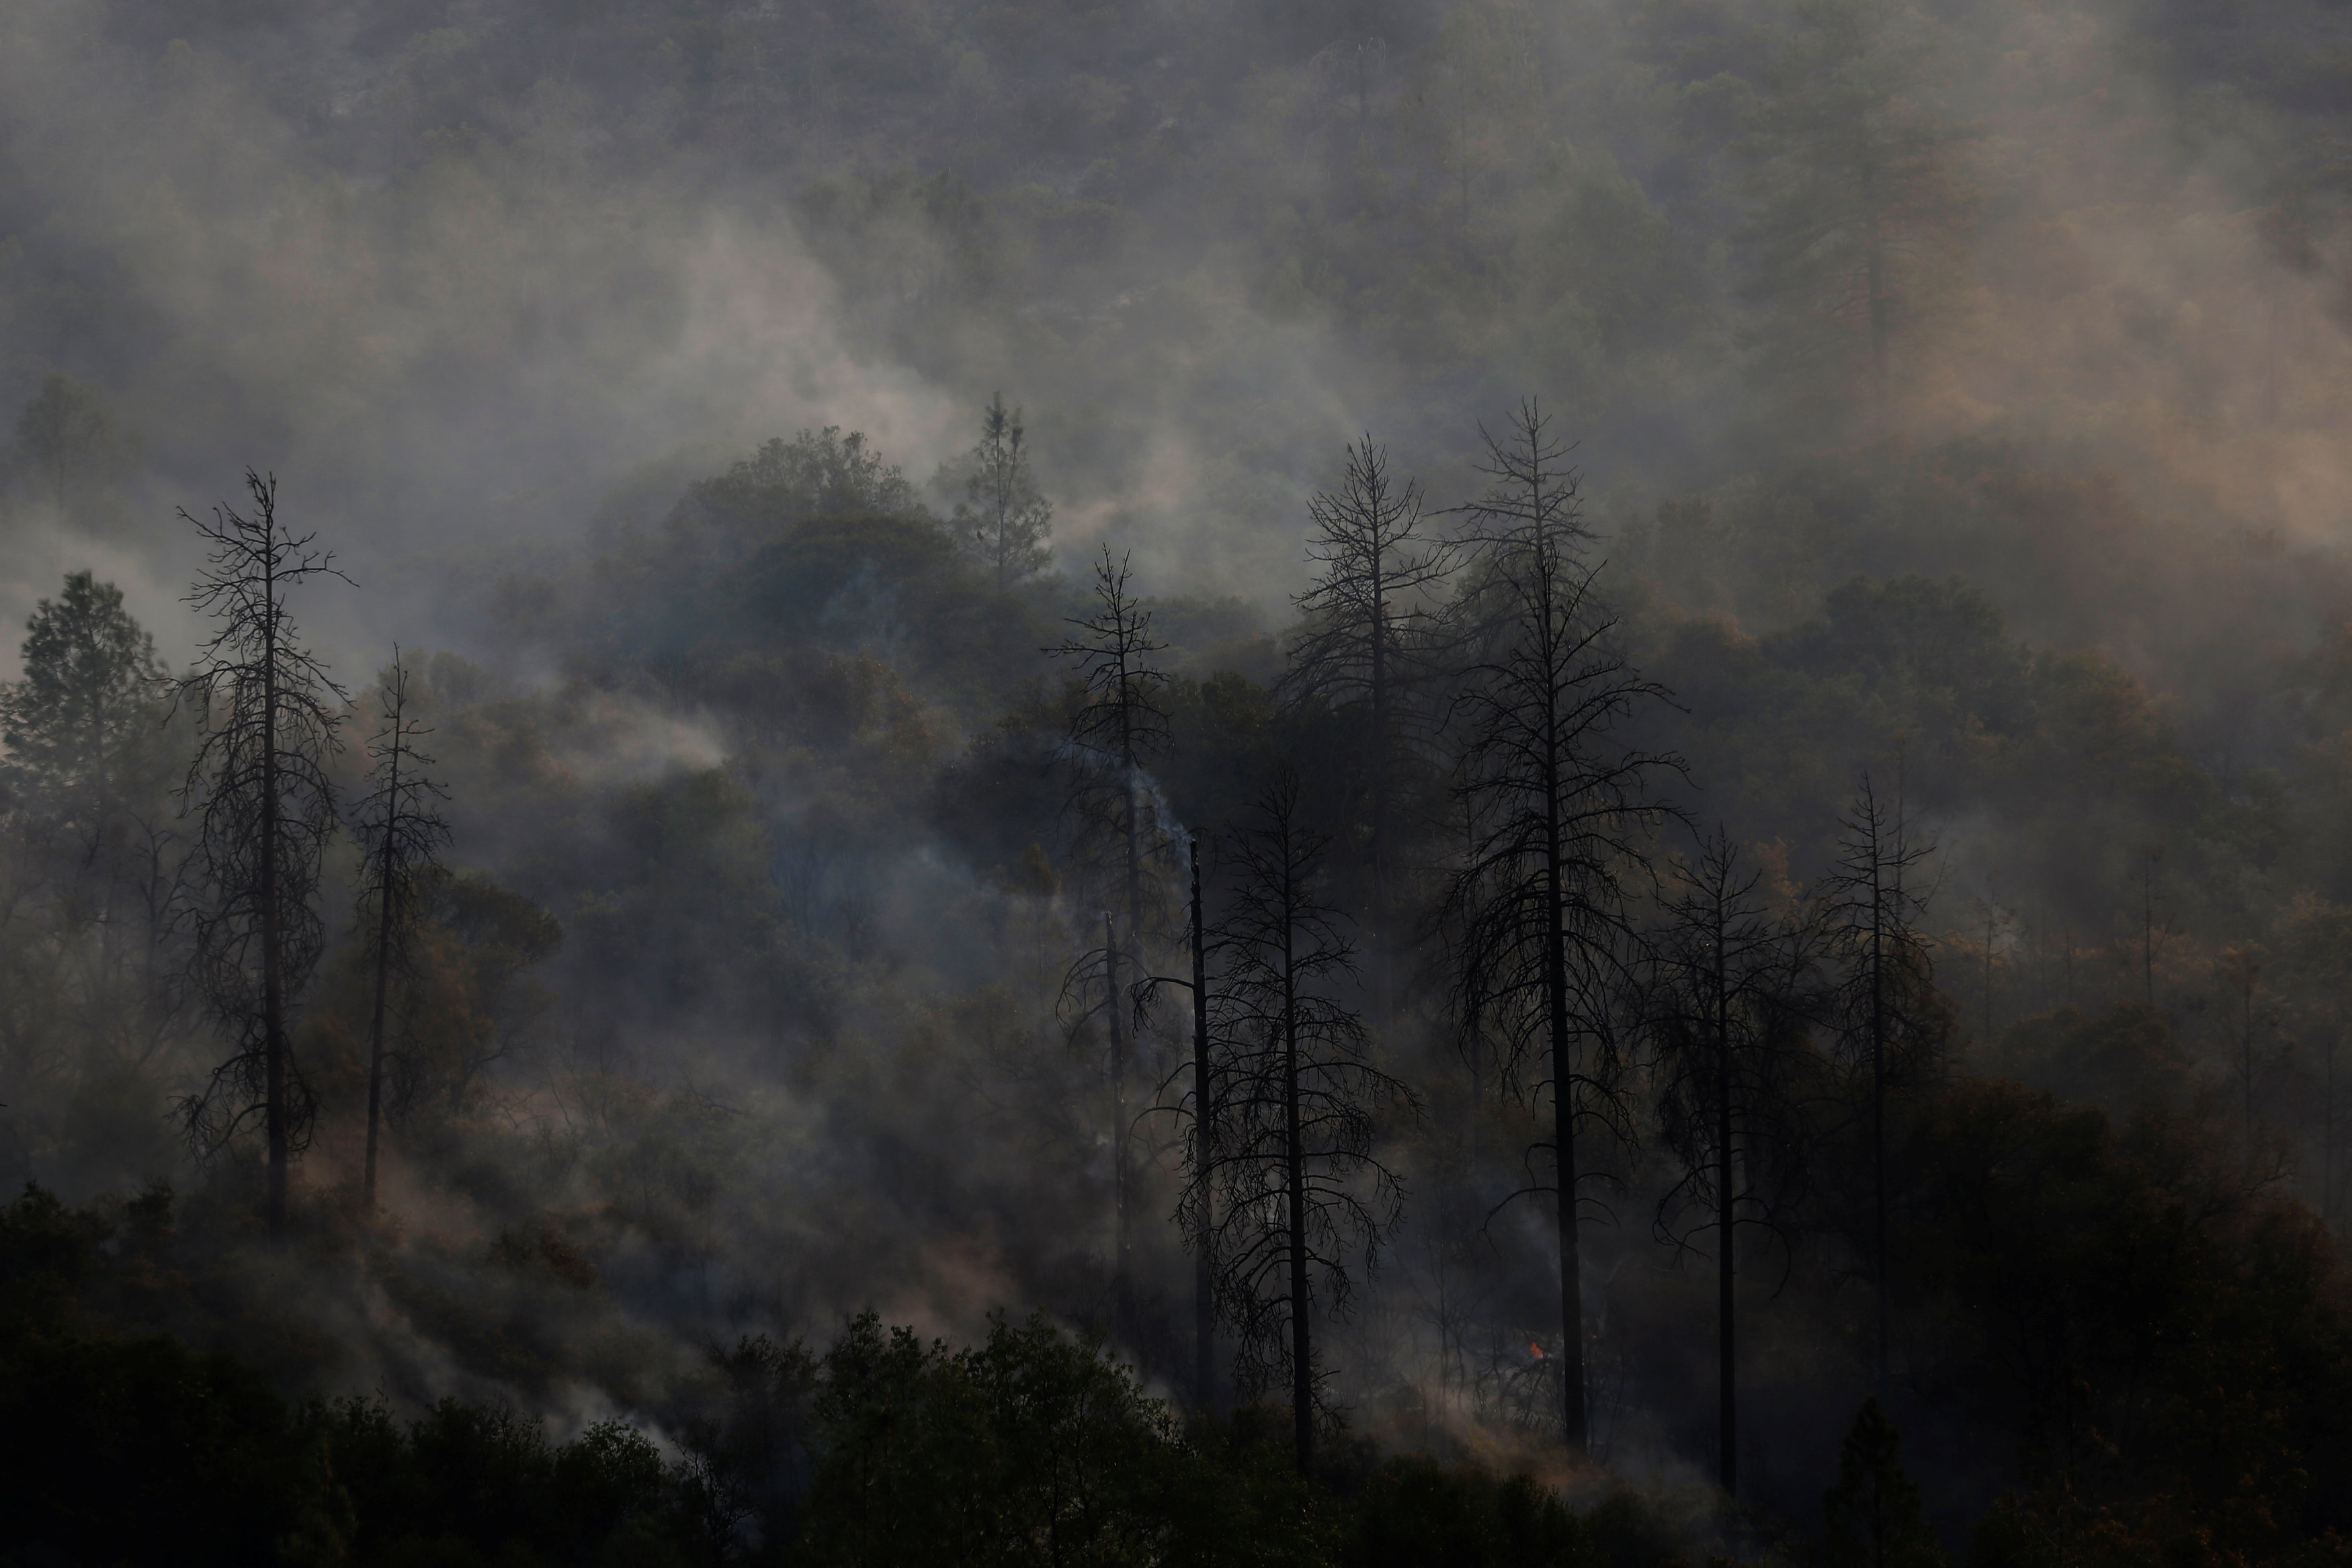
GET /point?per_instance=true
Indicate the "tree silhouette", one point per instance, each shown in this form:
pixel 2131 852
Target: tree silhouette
pixel 1367 638
pixel 267 714
pixel 1728 1017
pixel 1555 806
pixel 1196 1207
pixel 90 694
pixel 1119 727
pixel 1871 911
pixel 89 763
pixel 1873 1516
pixel 1005 522
pixel 400 831
pixel 1305 1196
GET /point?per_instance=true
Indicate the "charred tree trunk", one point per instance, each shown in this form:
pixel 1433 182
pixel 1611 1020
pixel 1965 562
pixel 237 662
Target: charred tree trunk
pixel 1301 1188
pixel 1112 1000
pixel 265 805
pixel 1113 737
pixel 1726 1200
pixel 1556 804
pixel 1204 1132
pixel 1302 1359
pixel 1574 1430
pixel 273 977
pixel 376 1029
pixel 1363 643
pixel 399 822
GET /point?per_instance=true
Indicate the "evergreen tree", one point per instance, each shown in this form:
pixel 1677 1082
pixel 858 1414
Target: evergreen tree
pixel 89 762
pixel 1002 520
pixel 91 839
pixel 90 699
pixel 1872 1514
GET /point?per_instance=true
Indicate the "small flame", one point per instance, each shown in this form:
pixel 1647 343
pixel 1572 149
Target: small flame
pixel 1535 1349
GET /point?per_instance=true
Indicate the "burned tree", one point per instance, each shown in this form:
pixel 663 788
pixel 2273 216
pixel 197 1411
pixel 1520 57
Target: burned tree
pixel 1307 1205
pixel 400 831
pixel 1116 728
pixel 1197 1108
pixel 1556 806
pixel 1202 1208
pixel 267 714
pixel 1884 991
pixel 1729 1019
pixel 1367 639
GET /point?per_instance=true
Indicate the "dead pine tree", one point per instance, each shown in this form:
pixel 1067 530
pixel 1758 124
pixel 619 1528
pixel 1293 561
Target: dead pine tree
pixel 1196 1107
pixel 1871 905
pixel 1204 1163
pixel 400 833
pixel 1731 993
pixel 1118 728
pixel 1557 811
pixel 267 715
pixel 1370 634
pixel 1307 1203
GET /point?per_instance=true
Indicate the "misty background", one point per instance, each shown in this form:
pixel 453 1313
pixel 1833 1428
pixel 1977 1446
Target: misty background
pixel 760 1010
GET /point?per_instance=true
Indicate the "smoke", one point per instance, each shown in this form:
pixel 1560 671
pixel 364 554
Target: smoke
pixel 486 305
pixel 446 366
pixel 2149 288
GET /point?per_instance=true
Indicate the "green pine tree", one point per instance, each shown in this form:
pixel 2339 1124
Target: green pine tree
pixel 1873 1515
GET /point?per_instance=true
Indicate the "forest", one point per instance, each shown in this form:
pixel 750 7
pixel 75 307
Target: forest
pixel 1358 783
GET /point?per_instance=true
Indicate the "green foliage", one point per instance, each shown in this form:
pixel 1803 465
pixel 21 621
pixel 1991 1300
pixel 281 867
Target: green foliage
pixel 83 718
pixel 2165 1337
pixel 820 474
pixel 47 1252
pixel 2120 1061
pixel 466 1483
pixel 1871 1516
pixel 147 1452
pixel 1003 521
pixel 1414 1512
pixel 1032 1445
pixel 92 933
pixel 1922 680
pixel 464 991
